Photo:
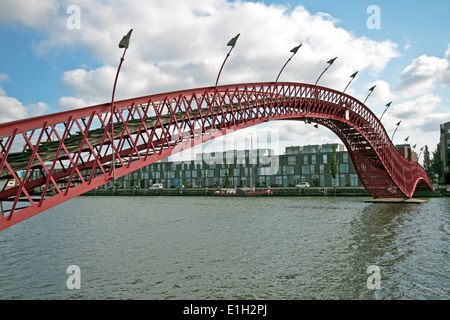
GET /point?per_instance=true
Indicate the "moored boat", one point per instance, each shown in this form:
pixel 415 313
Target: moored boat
pixel 242 192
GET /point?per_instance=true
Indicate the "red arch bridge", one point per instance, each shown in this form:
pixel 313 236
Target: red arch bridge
pixel 49 159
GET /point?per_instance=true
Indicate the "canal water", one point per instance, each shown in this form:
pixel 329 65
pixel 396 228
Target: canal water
pixel 229 248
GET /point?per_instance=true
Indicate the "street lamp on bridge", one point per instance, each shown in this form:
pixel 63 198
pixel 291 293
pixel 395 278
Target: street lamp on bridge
pixel 330 62
pixel 230 43
pixel 387 107
pixel 122 44
pixel 418 157
pixel 352 78
pixel 370 92
pixel 398 124
pixel 294 51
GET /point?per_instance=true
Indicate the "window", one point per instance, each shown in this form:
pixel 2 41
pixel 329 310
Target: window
pixel 311 169
pixel 237 172
pixel 305 159
pixel 279 180
pixel 291 160
pixel 345 157
pixel 342 178
pixel 222 172
pixel 313 159
pixel 343 168
pixel 290 170
pixel 305 169
pixel 325 159
pixel 321 169
pixel 354 180
pixel 262 181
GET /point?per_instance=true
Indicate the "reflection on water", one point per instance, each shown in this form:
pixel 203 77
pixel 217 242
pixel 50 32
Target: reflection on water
pixel 222 248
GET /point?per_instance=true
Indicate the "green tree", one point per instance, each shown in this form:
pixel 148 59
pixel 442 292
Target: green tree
pixel 228 175
pixel 427 161
pixel 334 166
pixel 436 164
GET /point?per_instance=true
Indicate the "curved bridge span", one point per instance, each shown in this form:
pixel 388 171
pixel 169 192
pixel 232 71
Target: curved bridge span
pixel 49 159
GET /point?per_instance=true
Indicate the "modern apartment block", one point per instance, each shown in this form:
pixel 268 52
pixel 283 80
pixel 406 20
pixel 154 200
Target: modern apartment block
pixel 406 151
pixel 445 152
pixel 245 168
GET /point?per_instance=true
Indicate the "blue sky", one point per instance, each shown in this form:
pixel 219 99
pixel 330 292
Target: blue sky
pixel 47 67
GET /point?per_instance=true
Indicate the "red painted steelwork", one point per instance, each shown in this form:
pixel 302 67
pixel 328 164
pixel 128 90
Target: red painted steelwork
pixel 53 158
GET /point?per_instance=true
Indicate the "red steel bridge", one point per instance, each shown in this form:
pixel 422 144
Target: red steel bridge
pixel 49 159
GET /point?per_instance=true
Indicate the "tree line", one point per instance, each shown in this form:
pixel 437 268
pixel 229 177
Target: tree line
pixel 432 163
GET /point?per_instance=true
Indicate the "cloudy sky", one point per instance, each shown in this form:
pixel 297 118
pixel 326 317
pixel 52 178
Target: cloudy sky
pixel 60 55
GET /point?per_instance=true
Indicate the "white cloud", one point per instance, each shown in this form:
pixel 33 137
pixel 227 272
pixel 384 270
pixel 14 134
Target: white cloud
pixel 11 109
pixel 68 103
pixel 36 109
pixel 416 109
pixel 424 73
pixel 181 44
pixel 382 93
pixel 30 13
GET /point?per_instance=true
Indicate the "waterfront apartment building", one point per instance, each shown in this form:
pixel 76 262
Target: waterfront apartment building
pixel 245 168
pixel 407 153
pixel 445 152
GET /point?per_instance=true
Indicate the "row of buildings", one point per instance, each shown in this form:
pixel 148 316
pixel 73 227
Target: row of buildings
pixel 263 168
pixel 245 168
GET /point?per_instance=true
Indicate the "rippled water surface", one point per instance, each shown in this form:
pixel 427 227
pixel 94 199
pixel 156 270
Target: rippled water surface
pixel 229 248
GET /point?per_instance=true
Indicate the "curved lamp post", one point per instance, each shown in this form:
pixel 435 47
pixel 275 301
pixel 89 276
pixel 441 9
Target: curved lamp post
pixel 398 124
pixel 294 51
pixel 231 43
pixel 420 153
pixel 330 62
pixel 387 107
pixel 122 44
pixel 370 92
pixel 352 78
